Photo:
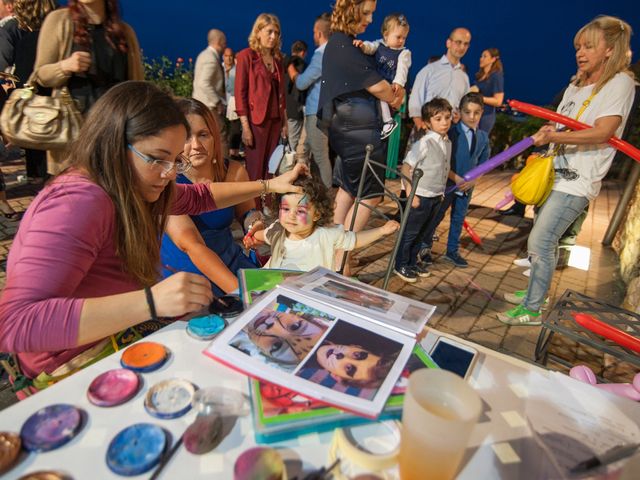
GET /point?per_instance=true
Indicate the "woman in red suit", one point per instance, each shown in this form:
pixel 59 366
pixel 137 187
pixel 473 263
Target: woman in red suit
pixel 259 92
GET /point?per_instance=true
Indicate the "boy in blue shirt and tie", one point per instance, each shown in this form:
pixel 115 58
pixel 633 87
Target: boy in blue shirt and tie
pixel 470 147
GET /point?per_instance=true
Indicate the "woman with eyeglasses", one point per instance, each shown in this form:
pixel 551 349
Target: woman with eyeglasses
pixel 204 243
pixel 85 262
pixel 602 96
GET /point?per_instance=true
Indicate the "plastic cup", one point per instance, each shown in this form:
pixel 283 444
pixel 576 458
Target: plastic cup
pixel 439 413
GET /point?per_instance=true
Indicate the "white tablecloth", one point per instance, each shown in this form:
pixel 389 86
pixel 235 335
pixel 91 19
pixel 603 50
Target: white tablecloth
pixel 500 380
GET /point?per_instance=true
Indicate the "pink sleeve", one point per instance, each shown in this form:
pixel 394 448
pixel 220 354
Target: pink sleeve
pixel 192 199
pixel 60 237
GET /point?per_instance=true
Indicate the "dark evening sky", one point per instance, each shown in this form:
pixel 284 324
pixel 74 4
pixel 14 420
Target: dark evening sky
pixel 535 38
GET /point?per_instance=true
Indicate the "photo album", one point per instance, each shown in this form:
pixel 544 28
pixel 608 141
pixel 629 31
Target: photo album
pixel 280 414
pixel 258 281
pixel 326 337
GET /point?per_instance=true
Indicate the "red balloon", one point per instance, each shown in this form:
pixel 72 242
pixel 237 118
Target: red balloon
pixel 607 331
pixel 474 236
pixel 573 124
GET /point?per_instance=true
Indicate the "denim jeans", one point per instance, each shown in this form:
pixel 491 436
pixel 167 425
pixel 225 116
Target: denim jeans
pixel 417 223
pixel 553 219
pixel 459 206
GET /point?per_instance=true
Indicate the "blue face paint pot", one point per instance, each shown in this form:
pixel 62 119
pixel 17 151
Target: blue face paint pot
pixel 136 449
pixel 206 327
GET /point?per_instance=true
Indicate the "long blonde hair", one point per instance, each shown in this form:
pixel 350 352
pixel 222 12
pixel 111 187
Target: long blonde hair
pixel 346 16
pixel 617 37
pixel 128 112
pixel 262 21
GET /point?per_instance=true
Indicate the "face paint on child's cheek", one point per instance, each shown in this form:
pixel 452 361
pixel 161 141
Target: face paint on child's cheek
pixel 302 211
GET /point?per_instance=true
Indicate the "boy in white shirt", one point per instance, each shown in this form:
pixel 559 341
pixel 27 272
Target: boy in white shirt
pixel 432 155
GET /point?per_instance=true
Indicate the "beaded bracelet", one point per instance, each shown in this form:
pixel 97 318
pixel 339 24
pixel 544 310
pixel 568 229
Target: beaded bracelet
pixel 265 189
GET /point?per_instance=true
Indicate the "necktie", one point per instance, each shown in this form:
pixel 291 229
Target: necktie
pixel 472 148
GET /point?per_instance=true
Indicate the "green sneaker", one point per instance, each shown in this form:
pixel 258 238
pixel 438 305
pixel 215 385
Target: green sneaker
pixel 517 297
pixel 520 316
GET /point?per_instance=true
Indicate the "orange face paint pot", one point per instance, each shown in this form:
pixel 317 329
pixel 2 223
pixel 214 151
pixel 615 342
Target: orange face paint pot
pixel 144 357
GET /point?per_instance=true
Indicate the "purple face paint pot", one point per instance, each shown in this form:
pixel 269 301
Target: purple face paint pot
pixel 136 449
pixel 113 387
pixel 51 427
pixel 170 398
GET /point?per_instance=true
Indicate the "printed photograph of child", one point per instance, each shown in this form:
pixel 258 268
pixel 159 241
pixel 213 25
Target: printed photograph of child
pixel 282 334
pixel 354 295
pixel 351 360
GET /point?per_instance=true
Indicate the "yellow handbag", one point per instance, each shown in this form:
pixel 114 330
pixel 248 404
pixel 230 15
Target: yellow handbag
pixel 533 184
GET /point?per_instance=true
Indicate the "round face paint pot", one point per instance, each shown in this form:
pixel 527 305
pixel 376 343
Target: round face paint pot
pixel 136 449
pixel 170 398
pixel 259 462
pixel 229 306
pixel 144 357
pixel 45 475
pixel 206 327
pixel 10 446
pixel 51 427
pixel 114 387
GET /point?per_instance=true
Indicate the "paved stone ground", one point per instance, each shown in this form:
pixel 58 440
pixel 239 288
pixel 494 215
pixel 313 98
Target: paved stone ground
pixel 467 299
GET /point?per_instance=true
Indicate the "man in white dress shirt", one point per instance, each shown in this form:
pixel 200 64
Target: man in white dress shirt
pixel 443 78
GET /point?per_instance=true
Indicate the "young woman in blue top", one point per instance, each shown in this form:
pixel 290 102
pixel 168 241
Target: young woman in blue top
pixel 204 243
pixel 490 83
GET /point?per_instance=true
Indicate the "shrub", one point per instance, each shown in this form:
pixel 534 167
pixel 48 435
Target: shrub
pixel 175 78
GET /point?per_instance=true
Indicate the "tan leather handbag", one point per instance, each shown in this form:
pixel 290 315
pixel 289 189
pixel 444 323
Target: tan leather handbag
pixel 29 120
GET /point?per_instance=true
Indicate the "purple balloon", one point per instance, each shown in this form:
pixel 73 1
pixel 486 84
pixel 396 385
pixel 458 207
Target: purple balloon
pixel 499 159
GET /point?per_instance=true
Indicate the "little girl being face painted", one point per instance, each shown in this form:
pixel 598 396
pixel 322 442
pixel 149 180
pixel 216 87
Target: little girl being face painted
pixel 298 215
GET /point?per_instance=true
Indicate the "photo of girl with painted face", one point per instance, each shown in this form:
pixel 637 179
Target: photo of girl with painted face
pixel 352 360
pixel 282 334
pixel 351 294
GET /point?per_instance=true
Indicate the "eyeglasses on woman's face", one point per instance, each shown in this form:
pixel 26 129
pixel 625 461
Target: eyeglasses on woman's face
pixel 182 163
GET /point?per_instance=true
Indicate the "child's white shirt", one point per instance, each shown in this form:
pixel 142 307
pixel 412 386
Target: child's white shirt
pixel 432 155
pixel 318 249
pixel 404 59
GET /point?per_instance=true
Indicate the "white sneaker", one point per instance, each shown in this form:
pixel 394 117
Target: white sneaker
pixel 527 272
pixel 522 262
pixel 388 128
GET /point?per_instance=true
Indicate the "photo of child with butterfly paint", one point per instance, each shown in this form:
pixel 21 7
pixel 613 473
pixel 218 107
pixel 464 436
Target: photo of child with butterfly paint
pixel 304 236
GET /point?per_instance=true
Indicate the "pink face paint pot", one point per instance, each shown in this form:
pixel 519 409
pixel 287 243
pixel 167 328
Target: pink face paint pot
pixel 45 475
pixel 114 387
pixel 51 427
pixel 259 463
